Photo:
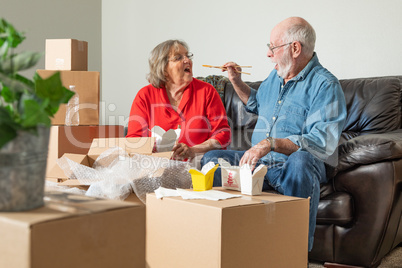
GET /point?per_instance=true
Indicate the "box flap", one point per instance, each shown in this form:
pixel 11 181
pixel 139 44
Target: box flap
pixel 57 171
pixel 167 155
pixel 81 203
pixel 221 204
pixel 142 145
pixel 62 205
pixel 265 196
pixel 72 182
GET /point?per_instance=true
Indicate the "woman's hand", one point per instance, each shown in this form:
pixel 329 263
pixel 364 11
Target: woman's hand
pixel 181 152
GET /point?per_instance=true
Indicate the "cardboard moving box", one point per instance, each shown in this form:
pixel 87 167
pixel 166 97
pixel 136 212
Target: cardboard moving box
pixel 77 140
pixel 74 231
pixel 143 145
pixel 268 230
pixel 88 88
pixel 66 54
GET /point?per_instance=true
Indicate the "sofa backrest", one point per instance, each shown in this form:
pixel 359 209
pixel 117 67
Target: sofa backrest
pixel 373 104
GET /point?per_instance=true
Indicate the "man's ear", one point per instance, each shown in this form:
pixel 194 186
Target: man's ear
pixel 296 49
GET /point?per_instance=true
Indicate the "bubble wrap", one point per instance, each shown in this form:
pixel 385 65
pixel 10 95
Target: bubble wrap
pixel 159 172
pixel 115 174
pixel 51 186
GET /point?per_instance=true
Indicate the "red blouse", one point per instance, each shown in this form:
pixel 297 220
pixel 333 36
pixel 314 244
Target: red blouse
pixel 200 115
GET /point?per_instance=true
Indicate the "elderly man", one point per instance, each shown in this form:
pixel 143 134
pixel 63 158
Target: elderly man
pixel 301 112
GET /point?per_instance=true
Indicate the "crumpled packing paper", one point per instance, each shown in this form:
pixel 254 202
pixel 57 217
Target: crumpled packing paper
pixel 186 194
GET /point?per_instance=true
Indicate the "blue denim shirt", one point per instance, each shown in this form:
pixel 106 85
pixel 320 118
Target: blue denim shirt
pixel 309 110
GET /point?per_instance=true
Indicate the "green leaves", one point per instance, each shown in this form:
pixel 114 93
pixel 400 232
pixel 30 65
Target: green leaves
pixel 16 83
pixel 34 114
pixel 27 109
pixel 9 37
pixel 24 103
pixel 8 129
pixel 18 62
pixel 7 95
pixel 52 91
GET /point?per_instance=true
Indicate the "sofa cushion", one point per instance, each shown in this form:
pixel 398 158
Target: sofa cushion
pixel 336 208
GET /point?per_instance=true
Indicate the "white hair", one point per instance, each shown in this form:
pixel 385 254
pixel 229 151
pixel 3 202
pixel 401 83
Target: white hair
pixel 304 33
pixel 159 59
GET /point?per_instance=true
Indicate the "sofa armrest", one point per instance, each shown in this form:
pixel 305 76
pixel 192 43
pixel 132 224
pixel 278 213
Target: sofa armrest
pixel 369 149
pixel 370 171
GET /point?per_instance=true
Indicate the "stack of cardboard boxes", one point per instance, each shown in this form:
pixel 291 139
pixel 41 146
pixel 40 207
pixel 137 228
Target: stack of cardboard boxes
pixel 70 58
pixel 71 230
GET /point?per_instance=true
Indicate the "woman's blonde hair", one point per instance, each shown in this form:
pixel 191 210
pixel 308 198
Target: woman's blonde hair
pixel 159 59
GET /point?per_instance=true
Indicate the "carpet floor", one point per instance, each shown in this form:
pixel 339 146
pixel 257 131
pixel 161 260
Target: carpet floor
pixel 392 260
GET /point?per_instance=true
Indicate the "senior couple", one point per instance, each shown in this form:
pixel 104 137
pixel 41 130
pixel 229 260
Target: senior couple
pixel 300 106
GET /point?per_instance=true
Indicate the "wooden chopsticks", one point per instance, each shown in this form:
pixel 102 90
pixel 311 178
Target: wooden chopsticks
pixel 224 68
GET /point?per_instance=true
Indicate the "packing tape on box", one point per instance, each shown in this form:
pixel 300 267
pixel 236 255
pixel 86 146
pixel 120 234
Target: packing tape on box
pixel 67 202
pixel 81 46
pixel 270 207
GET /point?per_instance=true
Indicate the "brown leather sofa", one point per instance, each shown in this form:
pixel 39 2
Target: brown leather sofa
pixel 359 214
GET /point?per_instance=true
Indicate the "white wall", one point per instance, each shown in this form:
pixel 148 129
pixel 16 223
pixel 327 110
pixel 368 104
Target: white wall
pixel 359 38
pixel 48 19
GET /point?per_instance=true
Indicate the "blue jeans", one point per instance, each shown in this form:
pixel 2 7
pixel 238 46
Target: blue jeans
pixel 300 176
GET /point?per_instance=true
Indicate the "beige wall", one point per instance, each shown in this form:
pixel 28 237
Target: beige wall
pixel 358 38
pixel 46 19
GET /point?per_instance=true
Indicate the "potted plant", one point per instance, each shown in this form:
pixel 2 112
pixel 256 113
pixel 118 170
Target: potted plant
pixel 26 108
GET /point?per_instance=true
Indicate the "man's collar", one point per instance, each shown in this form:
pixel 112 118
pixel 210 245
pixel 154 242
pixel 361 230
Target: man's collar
pixel 310 65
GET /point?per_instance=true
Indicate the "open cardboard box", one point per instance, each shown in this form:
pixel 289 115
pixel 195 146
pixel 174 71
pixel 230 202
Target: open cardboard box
pixel 77 139
pixel 74 231
pixel 143 145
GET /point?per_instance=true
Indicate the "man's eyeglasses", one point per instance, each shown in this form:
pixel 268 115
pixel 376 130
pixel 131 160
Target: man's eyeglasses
pixel 272 48
pixel 180 57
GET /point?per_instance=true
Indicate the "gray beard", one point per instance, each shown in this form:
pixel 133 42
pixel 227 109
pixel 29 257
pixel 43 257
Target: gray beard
pixel 285 65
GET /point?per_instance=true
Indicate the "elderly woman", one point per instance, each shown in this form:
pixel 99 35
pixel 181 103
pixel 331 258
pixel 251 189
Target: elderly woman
pixel 174 99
